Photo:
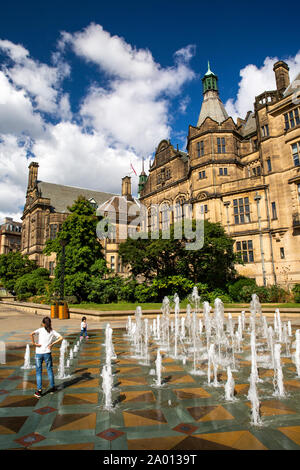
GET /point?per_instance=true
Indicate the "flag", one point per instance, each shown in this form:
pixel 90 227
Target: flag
pixel 133 169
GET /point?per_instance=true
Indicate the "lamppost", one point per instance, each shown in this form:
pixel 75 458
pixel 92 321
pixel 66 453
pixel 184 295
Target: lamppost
pixel 63 243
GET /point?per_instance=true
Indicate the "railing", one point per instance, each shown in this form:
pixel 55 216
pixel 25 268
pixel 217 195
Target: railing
pixel 268 97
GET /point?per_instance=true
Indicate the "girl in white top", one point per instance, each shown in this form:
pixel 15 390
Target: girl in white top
pixel 47 338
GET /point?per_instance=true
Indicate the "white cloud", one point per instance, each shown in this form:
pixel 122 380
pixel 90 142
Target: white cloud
pixel 133 110
pixel 17 114
pixel 256 80
pixel 40 80
pixel 116 125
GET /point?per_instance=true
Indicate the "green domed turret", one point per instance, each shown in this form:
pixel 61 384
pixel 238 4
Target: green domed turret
pixel 209 81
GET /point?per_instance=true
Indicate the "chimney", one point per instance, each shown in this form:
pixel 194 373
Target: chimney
pixel 282 77
pixel 33 174
pixel 126 187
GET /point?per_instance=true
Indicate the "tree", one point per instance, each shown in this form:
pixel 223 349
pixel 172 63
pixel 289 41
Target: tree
pixel 13 265
pixel 82 252
pixel 213 264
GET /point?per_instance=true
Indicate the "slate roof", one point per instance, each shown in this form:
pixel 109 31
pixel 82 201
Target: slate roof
pixel 63 196
pixel 212 107
pixel 250 125
pixel 292 87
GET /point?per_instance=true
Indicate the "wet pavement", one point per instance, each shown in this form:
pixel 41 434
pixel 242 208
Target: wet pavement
pixel 185 414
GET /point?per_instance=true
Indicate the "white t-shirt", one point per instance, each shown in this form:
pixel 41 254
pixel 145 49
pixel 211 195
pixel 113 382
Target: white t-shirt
pixel 44 339
pixel 83 325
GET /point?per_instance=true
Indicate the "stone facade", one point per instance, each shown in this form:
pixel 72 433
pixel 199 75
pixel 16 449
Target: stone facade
pixel 10 236
pixel 245 176
pixel 45 210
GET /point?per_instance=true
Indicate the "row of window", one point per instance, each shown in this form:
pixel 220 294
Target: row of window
pixel 291 119
pixel 221 146
pixel 245 249
pixel 165 174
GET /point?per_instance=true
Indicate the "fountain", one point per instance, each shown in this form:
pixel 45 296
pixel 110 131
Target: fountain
pixel 212 363
pixel 254 372
pixel 289 328
pixel 107 385
pixel 27 364
pixel 255 405
pixel 158 364
pixel 271 345
pixel 61 367
pixel 177 308
pixel 297 352
pixel 229 386
pixel 278 376
pixel 2 352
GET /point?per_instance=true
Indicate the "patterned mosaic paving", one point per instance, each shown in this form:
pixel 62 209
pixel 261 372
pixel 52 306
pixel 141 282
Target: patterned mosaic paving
pixel 185 414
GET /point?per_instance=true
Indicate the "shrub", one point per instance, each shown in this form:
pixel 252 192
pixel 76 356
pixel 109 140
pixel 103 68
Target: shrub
pixel 143 293
pixel 236 290
pixel 296 293
pixel 171 285
pixel 127 290
pixel 32 284
pixel 218 293
pixel 277 294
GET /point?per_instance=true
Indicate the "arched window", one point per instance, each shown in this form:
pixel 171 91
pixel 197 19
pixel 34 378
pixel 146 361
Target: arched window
pixel 153 218
pixel 179 209
pixel 165 216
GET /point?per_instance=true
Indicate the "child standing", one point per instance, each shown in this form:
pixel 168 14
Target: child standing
pixel 83 328
pixel 47 337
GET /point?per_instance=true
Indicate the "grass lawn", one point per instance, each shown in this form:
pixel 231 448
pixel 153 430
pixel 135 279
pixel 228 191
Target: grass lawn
pixel 157 306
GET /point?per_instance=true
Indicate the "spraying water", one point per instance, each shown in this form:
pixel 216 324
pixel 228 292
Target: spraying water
pixel 27 364
pixel 255 405
pixel 2 352
pixel 278 376
pixel 107 384
pixel 297 353
pixel 229 386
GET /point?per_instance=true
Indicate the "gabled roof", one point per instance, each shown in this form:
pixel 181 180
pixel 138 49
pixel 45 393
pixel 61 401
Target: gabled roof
pixel 249 126
pixel 61 197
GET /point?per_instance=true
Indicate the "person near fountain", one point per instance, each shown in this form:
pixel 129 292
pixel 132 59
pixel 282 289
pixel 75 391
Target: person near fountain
pixel 83 328
pixel 47 338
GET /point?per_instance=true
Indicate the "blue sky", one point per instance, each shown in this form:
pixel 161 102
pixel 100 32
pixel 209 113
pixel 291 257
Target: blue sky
pixel 86 88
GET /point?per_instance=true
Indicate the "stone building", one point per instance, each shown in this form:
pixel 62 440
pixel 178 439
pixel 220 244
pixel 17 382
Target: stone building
pixel 45 210
pixel 245 175
pixel 10 236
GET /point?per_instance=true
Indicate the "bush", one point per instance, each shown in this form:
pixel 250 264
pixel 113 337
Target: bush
pixel 236 290
pixel 143 293
pixel 296 293
pixel 32 284
pixel 127 290
pixel 218 293
pixel 277 294
pixel 171 285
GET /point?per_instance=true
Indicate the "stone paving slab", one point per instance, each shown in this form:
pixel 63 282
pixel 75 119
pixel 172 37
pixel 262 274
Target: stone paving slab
pixel 186 413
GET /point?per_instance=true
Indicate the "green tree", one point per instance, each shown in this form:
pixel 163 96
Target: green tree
pixel 213 264
pixel 83 251
pixel 12 267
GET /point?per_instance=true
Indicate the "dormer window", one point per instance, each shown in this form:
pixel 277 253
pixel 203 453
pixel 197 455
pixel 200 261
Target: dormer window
pixel 93 203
